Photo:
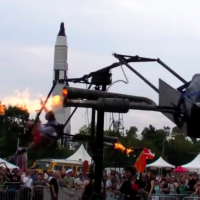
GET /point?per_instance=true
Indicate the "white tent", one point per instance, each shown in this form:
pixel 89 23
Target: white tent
pixel 160 163
pixel 80 156
pixel 9 165
pixel 194 165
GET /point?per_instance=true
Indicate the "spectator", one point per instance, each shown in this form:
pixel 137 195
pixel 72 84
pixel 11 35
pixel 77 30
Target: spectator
pixel 27 183
pixel 182 186
pixel 54 186
pixel 78 181
pixel 164 186
pixel 192 182
pixel 173 186
pixel 150 183
pixel 157 187
pixel 132 188
pixel 88 188
pixel 39 184
pixel 68 180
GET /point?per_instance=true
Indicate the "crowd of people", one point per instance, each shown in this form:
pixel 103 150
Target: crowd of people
pixel 146 184
pixel 24 185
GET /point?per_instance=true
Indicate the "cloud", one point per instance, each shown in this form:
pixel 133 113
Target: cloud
pixel 43 56
pixel 96 29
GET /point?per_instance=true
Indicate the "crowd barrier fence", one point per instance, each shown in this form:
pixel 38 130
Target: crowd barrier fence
pixel 18 192
pixel 184 196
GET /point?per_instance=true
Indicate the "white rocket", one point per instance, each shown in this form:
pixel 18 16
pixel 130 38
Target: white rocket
pixel 60 72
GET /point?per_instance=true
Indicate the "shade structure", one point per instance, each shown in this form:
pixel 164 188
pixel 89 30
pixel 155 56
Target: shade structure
pixel 161 163
pixel 80 156
pixel 180 170
pixel 9 165
pixel 194 165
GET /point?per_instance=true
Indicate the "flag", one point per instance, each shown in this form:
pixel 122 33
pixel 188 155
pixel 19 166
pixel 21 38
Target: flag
pixel 140 163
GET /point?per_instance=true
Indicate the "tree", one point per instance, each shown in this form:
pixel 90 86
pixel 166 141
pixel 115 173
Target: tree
pixel 132 132
pixel 148 132
pixel 85 130
pixel 11 124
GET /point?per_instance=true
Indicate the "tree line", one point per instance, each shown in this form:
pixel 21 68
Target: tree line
pixel 170 143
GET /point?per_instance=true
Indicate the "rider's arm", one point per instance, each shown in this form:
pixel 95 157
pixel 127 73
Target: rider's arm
pixel 44 107
pixel 45 110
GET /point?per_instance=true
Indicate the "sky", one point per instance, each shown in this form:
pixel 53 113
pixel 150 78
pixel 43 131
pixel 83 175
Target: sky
pixel 168 30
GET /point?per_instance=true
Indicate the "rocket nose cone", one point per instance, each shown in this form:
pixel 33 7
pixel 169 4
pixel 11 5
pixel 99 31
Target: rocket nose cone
pixel 62 30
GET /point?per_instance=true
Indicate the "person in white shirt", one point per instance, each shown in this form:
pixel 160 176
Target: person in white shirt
pixel 27 181
pixel 172 186
pixel 27 186
pixel 78 181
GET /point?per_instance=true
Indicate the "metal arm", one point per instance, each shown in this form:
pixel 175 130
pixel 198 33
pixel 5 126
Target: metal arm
pixel 118 105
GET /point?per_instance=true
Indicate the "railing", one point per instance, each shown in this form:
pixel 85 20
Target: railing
pixel 19 192
pixel 184 196
pixel 170 196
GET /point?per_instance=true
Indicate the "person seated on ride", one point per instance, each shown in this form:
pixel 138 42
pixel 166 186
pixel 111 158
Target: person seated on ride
pixel 193 90
pixel 43 134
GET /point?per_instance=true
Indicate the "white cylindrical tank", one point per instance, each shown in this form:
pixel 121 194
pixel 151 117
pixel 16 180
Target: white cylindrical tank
pixel 60 72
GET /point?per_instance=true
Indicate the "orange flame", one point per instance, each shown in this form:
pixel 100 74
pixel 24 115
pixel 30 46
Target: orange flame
pixel 128 151
pixel 119 146
pixel 65 92
pixel 22 107
pixel 24 101
pixel 2 109
pixel 57 100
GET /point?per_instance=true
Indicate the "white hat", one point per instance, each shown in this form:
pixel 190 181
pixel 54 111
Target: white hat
pixel 46 176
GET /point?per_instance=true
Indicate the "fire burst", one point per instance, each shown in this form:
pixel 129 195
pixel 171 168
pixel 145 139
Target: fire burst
pixel 119 146
pixel 23 101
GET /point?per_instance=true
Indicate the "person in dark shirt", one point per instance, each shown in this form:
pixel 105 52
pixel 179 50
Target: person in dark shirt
pixel 88 187
pixel 191 183
pixel 54 187
pixel 133 188
pixel 39 188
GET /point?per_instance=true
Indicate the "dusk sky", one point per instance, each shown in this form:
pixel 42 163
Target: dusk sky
pixel 168 30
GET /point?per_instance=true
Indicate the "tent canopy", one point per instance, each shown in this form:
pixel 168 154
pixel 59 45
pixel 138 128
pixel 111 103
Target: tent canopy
pixel 180 169
pixel 80 156
pixel 9 165
pixel 194 164
pixel 160 163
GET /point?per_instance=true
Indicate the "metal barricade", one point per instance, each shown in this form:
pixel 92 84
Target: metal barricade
pixel 192 198
pixel 170 196
pixel 162 197
pixel 110 195
pixel 17 192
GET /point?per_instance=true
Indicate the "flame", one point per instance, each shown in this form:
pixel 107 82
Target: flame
pixel 2 109
pixel 65 92
pixel 56 100
pixel 22 107
pixel 119 146
pixel 128 151
pixel 25 101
